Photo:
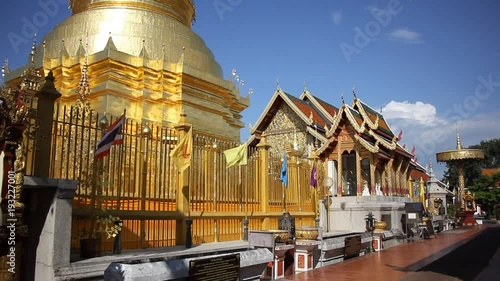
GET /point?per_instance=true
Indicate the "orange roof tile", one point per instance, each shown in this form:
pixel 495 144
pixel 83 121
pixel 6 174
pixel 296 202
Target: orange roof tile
pixel 332 110
pixel 417 174
pixel 307 109
pixel 490 172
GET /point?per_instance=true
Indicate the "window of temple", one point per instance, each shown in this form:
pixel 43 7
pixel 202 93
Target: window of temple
pixel 349 182
pixel 365 172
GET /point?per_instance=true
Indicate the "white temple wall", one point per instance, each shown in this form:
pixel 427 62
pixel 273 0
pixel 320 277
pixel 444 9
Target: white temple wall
pixel 348 213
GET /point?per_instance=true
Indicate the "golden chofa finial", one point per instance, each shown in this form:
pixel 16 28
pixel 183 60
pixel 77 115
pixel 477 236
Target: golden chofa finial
pixel 459 145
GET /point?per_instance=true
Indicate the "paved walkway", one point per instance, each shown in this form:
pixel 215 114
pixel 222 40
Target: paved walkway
pixel 400 262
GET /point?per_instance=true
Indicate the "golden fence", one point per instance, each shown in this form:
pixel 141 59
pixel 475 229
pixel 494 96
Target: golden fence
pixel 138 183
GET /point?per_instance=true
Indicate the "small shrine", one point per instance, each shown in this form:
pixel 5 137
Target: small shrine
pixel 438 201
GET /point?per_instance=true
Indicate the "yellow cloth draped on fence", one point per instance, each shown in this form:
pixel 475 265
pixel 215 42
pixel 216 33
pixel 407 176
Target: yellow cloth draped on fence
pixel 181 154
pixel 237 155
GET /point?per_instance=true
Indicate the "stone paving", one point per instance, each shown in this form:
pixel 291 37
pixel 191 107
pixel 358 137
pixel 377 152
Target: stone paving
pixel 451 255
pixel 467 253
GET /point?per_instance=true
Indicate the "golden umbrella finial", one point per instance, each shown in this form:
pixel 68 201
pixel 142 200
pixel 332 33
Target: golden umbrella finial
pixel 459 145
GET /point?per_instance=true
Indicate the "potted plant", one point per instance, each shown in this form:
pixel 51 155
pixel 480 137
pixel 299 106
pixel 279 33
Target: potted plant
pixel 90 242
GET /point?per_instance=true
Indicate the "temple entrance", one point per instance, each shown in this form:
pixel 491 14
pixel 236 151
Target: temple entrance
pixel 349 182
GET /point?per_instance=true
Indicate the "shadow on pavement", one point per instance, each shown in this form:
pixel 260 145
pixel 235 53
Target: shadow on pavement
pixel 478 260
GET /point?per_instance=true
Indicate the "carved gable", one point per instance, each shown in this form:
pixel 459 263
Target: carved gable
pixel 285 128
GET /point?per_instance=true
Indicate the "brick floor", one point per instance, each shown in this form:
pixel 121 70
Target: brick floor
pixel 397 263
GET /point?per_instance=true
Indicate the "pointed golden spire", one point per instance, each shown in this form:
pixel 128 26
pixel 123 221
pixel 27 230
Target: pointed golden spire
pixel 459 145
pixel 5 67
pixel 33 52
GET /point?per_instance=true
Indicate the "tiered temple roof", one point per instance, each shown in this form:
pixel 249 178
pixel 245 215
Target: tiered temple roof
pixel 324 122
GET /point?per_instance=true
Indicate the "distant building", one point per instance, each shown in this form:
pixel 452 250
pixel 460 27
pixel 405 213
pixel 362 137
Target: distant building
pixel 491 172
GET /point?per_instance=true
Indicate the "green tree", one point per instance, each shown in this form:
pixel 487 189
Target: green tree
pixel 473 168
pixel 485 192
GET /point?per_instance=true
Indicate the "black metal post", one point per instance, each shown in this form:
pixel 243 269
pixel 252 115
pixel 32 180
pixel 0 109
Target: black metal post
pixel 117 246
pixel 189 238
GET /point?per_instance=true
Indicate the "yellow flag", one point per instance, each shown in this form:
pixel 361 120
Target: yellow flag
pixel 181 154
pixel 237 155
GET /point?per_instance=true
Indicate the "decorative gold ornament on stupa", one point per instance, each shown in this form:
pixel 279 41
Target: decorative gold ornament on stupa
pixel 142 56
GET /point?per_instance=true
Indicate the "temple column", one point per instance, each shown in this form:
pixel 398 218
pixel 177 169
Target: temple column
pixel 339 173
pixel 359 178
pixel 373 167
pixel 411 191
pixel 461 185
pixel 399 190
pixel 207 166
pixel 384 182
pixel 389 169
pixel 263 179
pixel 404 183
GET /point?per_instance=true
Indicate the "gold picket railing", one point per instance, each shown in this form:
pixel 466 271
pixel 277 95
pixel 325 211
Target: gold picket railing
pixel 138 182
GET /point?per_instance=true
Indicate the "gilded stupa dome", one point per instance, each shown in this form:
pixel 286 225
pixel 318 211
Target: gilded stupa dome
pixel 161 27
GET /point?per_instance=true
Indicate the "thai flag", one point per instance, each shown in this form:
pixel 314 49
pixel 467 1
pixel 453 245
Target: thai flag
pixel 112 136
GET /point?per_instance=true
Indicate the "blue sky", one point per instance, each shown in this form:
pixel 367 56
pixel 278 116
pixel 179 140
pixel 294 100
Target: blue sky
pixel 428 65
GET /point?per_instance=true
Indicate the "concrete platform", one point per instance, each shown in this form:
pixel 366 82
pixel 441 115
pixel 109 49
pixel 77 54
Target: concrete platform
pixel 93 269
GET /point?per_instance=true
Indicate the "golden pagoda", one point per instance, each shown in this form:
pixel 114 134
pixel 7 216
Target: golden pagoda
pixel 142 56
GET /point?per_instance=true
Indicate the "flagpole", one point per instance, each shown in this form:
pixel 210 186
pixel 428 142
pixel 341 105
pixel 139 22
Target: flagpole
pixel 298 185
pixel 120 159
pixel 284 199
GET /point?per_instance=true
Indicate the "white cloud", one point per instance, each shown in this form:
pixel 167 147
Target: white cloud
pixel 433 133
pixel 406 35
pixel 337 17
pixel 419 112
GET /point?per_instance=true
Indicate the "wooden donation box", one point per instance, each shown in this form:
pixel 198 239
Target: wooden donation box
pixel 276 242
pixel 352 246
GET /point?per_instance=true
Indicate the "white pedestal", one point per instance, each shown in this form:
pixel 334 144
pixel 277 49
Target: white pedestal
pixel 377 243
pixel 304 256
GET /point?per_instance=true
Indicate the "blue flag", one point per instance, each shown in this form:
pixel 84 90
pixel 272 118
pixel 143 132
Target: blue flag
pixel 284 173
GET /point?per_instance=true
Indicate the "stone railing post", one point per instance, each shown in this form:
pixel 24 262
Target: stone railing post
pixel 264 179
pixel 182 194
pixel 45 115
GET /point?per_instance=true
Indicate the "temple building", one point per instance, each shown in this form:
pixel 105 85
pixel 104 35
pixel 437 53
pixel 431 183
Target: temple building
pixel 368 168
pixel 141 56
